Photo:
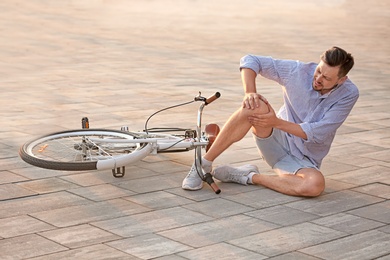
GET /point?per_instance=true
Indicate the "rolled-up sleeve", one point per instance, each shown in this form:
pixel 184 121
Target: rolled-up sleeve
pixel 332 118
pixel 273 69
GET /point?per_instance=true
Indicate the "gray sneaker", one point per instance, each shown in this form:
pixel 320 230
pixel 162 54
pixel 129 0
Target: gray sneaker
pixel 227 173
pixel 192 181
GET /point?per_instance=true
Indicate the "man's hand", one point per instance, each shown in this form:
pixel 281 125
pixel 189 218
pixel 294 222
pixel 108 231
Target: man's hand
pixel 265 120
pixel 252 100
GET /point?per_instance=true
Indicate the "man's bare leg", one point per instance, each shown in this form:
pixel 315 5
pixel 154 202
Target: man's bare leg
pixel 307 182
pixel 235 129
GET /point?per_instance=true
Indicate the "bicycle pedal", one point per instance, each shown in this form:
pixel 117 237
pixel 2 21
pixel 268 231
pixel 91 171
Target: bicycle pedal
pixel 190 134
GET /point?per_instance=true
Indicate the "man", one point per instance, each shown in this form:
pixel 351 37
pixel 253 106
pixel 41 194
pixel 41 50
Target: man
pixel 317 100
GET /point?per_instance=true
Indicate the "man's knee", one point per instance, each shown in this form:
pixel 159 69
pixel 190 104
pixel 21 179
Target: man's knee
pixel 262 109
pixel 313 184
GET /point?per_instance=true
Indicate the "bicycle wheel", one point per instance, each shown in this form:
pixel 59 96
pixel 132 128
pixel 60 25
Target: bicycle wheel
pixel 85 149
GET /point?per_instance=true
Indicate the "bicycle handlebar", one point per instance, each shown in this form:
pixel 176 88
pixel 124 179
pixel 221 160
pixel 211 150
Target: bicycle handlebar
pixel 212 98
pixel 209 99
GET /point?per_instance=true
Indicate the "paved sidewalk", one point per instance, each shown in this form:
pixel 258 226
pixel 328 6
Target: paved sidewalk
pixel 119 61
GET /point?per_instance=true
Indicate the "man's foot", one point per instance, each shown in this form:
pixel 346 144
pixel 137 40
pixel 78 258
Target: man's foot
pixel 226 173
pixel 192 181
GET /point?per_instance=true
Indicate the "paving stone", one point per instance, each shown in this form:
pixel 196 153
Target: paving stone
pixel 22 247
pixel 47 185
pixel 151 222
pixel 101 192
pixel 282 215
pixel 149 246
pixel 34 173
pixel 102 177
pixel 9 177
pixel 367 245
pixel 218 208
pixel 158 200
pixel 82 214
pixel 221 251
pixel 79 236
pixel 334 203
pixel 99 251
pixel 333 186
pixel 21 225
pixel 39 203
pixel 262 198
pixel 216 231
pixel 379 212
pixel 12 191
pixel 294 256
pixel 348 223
pixel 151 184
pixel 363 176
pixel 286 239
pixel 375 189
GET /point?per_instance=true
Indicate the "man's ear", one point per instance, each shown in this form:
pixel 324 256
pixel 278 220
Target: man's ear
pixel 342 80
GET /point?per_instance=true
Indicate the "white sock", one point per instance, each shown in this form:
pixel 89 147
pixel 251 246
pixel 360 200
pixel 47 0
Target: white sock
pixel 207 165
pixel 250 176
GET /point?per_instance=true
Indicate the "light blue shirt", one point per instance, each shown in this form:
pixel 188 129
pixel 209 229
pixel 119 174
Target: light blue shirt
pixel 319 115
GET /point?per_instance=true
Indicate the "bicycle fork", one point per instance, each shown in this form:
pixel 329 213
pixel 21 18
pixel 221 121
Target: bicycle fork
pixel 207 177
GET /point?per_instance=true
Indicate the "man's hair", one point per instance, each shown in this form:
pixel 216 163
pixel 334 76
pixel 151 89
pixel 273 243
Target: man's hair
pixel 335 57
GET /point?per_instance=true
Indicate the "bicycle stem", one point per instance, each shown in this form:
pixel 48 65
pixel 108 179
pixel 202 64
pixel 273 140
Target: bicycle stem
pixel 198 150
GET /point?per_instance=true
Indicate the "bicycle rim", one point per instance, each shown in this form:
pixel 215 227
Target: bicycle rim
pixel 78 150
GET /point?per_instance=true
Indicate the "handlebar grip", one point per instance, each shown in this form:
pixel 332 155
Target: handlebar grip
pixel 209 179
pixel 212 98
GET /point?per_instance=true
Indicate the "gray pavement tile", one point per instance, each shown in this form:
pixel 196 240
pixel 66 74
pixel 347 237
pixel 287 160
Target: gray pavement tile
pixel 283 240
pixel 101 192
pixel 149 246
pixel 375 189
pixel 379 212
pixel 94 252
pixel 158 200
pixel 348 223
pixel 34 173
pixel 282 215
pixel 150 184
pixel 151 222
pixel 221 251
pixel 363 176
pixel 218 230
pixel 367 245
pixel 294 256
pixel 218 208
pixel 330 166
pixel 334 203
pixel 79 236
pixel 385 229
pixel 9 177
pixel 47 185
pixel 171 257
pixel 39 203
pixel 164 167
pixel 82 214
pixel 333 186
pixel 21 225
pixel 23 247
pixel 205 193
pixel 380 156
pixel 262 198
pixel 13 191
pixel 101 177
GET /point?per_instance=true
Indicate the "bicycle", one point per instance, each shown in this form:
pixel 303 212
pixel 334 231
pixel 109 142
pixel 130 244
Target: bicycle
pixel 103 149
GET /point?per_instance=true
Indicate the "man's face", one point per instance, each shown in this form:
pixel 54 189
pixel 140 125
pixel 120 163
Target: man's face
pixel 326 78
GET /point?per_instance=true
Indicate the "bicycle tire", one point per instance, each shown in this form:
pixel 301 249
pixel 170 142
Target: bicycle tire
pixel 61 150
